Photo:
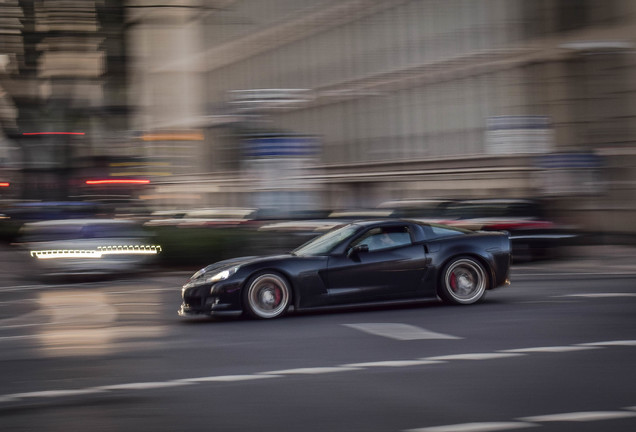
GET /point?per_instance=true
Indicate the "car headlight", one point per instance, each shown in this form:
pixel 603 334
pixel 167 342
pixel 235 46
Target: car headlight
pixel 202 279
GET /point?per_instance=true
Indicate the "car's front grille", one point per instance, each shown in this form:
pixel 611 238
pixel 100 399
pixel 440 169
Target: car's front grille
pixel 195 297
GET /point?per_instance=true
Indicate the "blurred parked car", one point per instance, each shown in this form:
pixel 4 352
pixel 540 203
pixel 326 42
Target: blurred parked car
pixel 203 217
pixel 429 209
pixel 87 246
pixel 532 233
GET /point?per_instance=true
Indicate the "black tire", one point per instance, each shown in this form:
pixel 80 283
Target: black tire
pixel 267 295
pixel 464 281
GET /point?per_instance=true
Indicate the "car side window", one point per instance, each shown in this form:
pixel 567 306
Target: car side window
pixel 384 238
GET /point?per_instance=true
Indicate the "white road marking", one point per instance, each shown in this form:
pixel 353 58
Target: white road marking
pixel 550 349
pixel 473 356
pixel 476 427
pixel 146 385
pixel 611 343
pixel 393 363
pixel 228 378
pixel 311 371
pixel 399 331
pixel 467 427
pixel 56 393
pixel 583 416
pixel 8 398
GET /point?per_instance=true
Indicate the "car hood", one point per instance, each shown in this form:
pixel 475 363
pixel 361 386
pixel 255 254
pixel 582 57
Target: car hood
pixel 228 263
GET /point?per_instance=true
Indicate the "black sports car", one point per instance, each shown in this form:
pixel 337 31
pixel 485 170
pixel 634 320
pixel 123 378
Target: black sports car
pixel 360 262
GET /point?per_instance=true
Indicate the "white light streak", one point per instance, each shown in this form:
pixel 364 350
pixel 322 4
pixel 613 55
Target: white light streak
pixel 97 253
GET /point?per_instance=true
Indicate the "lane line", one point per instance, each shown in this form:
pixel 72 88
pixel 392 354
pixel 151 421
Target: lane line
pixel 532 421
pixel 393 363
pixel 550 349
pixel 229 378
pixel 145 385
pixel 476 427
pixel 311 371
pixel 474 356
pixel 56 393
pixel 611 343
pixel 583 416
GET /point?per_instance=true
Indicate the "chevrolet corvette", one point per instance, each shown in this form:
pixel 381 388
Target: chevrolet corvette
pixel 363 262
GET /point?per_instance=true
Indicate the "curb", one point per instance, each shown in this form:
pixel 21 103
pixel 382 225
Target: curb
pixel 537 277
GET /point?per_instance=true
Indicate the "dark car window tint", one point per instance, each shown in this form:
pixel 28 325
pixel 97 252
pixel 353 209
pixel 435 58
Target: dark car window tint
pixel 385 238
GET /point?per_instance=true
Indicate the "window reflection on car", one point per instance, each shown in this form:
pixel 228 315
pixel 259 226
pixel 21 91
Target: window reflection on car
pixel 325 243
pixel 438 231
pixel 384 238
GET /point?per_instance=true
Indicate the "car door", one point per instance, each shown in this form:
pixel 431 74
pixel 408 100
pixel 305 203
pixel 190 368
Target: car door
pixel 389 266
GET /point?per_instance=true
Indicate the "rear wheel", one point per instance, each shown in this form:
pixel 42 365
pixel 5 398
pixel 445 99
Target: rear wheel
pixel 267 295
pixel 464 281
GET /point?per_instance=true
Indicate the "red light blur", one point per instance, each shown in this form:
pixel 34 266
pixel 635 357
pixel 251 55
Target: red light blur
pixel 116 181
pixel 4 184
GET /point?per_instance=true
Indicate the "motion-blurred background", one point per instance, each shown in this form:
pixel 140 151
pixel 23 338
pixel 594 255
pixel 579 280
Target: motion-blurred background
pixel 269 110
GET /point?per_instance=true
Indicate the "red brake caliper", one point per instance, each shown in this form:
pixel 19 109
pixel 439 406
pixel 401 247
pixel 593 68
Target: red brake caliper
pixel 277 295
pixel 453 281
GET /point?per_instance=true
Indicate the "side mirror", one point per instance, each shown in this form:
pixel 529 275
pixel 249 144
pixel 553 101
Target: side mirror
pixel 357 249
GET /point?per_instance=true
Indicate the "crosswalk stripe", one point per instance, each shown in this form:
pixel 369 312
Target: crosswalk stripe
pixel 399 331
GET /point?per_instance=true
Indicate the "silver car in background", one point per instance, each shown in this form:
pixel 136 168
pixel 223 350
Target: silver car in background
pixel 74 247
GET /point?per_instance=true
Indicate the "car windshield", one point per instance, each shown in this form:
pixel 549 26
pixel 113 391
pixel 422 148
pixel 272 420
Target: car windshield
pixel 326 242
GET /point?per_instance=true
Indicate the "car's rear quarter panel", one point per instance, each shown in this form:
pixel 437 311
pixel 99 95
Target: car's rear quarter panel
pixel 491 249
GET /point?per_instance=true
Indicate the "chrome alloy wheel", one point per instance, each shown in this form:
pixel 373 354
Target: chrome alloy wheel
pixel 268 296
pixel 464 281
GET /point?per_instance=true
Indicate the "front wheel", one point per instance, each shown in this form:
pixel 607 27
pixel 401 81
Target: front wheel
pixel 267 295
pixel 464 281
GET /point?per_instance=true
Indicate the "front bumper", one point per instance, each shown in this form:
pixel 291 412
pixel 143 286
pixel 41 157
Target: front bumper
pixel 220 299
pixel 187 311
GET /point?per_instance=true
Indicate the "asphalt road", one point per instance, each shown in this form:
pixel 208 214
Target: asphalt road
pixel 553 352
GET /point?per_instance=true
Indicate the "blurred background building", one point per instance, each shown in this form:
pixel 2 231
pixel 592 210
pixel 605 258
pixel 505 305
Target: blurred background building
pixel 297 104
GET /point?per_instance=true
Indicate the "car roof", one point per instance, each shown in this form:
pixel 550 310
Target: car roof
pixel 390 221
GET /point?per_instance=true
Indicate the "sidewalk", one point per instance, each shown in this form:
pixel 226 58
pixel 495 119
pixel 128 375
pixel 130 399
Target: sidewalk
pixel 582 262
